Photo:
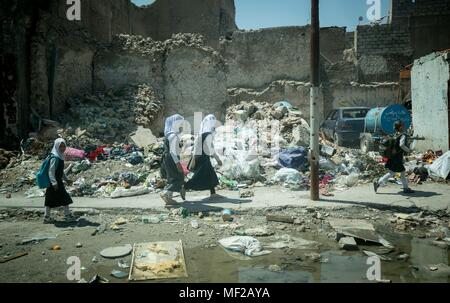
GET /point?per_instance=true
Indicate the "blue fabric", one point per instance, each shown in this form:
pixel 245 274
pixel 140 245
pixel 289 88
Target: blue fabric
pixel 42 178
pixel 294 157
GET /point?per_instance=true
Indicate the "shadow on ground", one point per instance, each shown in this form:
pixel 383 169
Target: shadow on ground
pixel 80 223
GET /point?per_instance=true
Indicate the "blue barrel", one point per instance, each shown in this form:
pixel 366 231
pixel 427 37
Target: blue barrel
pixel 382 119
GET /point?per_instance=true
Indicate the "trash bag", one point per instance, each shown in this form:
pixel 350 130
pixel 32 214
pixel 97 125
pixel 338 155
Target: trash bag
pixel 72 154
pixel 327 164
pixel 295 157
pixel 240 165
pixel 248 245
pixel 441 166
pixel 34 192
pixel 287 175
pixel 134 191
pixel 129 177
pixel 136 158
pixel 349 181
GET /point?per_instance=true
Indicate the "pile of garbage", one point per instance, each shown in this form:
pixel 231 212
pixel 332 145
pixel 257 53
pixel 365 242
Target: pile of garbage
pixel 292 128
pixel 110 117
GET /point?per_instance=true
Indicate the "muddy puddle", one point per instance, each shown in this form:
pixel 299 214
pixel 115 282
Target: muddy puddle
pixel 214 265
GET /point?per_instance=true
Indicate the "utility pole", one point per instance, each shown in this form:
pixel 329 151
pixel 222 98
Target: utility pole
pixel 314 99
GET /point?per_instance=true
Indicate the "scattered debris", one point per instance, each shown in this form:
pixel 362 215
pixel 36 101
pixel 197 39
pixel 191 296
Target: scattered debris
pixel 283 219
pixel 15 256
pixel 248 245
pixel 116 252
pixel 119 274
pixel 348 243
pixel 275 268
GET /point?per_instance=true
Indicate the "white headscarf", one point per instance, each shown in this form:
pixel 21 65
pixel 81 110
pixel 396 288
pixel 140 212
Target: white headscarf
pixel 171 124
pixel 208 125
pixel 56 145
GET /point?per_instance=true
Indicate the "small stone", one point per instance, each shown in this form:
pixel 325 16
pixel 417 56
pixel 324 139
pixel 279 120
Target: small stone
pixel 281 227
pixel 200 233
pixel 301 229
pixel 43 253
pixel 348 243
pixel 315 257
pixel 56 247
pixel 298 221
pixel 433 268
pixel 275 268
pixel 402 257
pixel 8 196
pixel 200 215
pixel 318 215
pixel 94 260
pixel 79 245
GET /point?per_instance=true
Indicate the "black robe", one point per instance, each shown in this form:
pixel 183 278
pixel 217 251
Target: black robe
pixel 169 170
pixel 60 197
pixel 395 163
pixel 204 177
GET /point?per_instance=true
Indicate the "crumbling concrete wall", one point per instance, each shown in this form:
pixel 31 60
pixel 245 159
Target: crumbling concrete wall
pixel 187 74
pixel 129 60
pixel 195 81
pixel 257 58
pixel 370 95
pixel 65 51
pixel 430 77
pixel 210 18
pixel 104 19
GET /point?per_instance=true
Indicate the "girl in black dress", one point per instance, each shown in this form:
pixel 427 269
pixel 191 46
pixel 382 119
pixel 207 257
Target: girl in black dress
pixel 56 195
pixel 171 168
pixel 204 177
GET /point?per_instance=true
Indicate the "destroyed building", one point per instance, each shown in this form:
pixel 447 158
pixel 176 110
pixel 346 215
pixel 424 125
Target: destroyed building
pixel 197 64
pixel 430 78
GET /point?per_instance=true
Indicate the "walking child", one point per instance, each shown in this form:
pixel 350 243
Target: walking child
pixel 171 168
pixel 395 162
pixel 56 195
pixel 204 177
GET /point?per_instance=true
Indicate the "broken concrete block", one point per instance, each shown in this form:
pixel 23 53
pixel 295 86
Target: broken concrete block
pixel 240 115
pixel 348 243
pixel 300 136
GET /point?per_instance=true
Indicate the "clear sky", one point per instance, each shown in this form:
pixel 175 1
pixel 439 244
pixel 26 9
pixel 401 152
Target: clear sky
pixel 254 14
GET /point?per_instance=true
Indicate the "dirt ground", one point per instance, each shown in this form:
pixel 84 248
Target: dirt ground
pixel 207 261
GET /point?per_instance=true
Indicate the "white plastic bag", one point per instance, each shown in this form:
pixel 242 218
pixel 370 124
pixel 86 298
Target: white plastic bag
pixel 134 191
pixel 248 245
pixel 287 175
pixel 441 166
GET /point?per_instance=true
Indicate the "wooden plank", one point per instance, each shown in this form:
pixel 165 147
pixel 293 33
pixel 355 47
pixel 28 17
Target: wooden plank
pixel 16 256
pixel 283 219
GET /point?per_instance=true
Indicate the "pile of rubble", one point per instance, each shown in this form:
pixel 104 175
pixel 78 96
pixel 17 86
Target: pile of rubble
pixel 146 46
pixel 111 117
